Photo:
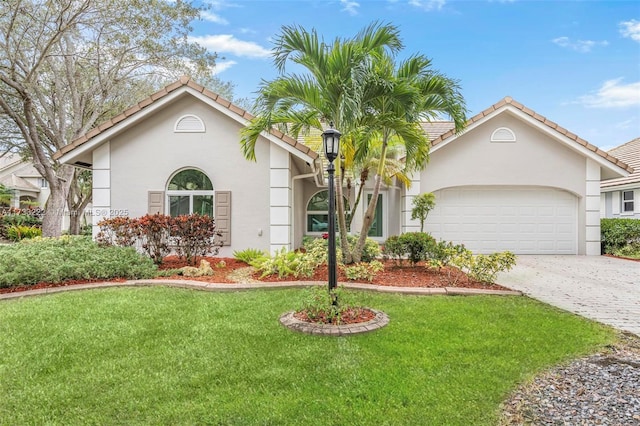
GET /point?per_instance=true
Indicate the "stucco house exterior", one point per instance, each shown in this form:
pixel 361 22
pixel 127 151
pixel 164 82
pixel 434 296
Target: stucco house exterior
pixel 513 180
pixel 27 185
pixel 620 197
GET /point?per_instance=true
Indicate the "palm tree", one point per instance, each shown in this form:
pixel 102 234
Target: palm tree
pixel 405 95
pixel 355 84
pixel 331 91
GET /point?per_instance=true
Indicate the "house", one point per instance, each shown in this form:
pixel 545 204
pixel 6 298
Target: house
pixel 620 197
pixel 513 180
pixel 28 186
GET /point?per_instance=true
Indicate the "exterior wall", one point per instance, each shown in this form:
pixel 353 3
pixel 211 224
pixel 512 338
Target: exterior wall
pixel 280 199
pixel 408 224
pixel 143 159
pixel 612 204
pixel 533 160
pixel 592 207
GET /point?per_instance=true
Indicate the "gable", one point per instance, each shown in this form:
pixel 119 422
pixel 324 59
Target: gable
pixel 611 167
pixel 478 157
pixel 79 152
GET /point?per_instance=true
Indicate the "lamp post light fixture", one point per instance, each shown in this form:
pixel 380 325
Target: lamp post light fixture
pixel 331 145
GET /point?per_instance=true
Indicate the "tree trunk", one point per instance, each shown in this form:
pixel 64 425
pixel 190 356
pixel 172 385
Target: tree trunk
pixel 342 223
pixel 57 201
pixel 368 219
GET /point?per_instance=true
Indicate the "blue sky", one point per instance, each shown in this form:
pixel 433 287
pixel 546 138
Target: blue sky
pixel 575 62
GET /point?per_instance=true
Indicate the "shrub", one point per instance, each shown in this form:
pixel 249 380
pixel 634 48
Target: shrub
pixel 370 251
pixel 19 232
pixel 630 250
pixel 153 232
pixel 484 268
pixel 194 235
pixel 619 232
pixel 120 231
pixel 393 249
pixel 249 255
pixel 327 307
pixel 56 260
pixel 284 263
pixel 319 247
pixel 189 235
pixel 19 217
pixel 443 252
pixel 360 271
pixel 416 246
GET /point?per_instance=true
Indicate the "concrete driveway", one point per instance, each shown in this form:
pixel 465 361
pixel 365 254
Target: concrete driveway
pixel 601 288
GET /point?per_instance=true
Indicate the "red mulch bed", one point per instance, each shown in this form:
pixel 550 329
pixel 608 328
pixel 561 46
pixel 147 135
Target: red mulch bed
pixel 393 275
pixel 348 316
pixel 404 276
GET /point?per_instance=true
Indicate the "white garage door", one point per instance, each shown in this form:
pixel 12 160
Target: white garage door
pixel 523 220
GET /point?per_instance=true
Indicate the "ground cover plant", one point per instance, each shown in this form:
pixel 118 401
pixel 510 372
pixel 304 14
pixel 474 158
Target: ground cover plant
pixel 55 260
pixel 175 356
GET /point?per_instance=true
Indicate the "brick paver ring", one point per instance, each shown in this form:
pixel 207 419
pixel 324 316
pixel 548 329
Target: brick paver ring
pixel 380 320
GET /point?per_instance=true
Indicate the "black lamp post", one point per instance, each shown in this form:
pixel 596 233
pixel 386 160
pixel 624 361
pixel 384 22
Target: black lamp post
pixel 331 144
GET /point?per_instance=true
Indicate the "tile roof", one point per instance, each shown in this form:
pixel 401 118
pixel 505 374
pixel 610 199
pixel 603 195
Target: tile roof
pixel 630 154
pixel 508 101
pixel 184 81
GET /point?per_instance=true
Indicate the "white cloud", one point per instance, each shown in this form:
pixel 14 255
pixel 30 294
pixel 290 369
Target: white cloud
pixel 630 29
pixel 625 124
pixel 212 17
pixel 428 5
pixel 221 4
pixel 583 46
pixel 613 94
pixel 351 7
pixel 222 66
pixel 226 43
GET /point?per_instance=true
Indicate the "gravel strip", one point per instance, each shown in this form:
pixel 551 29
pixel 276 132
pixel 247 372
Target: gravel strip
pixel 601 389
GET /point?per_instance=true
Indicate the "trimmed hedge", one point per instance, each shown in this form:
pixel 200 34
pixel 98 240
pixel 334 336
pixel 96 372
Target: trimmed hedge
pixel 618 233
pixel 55 260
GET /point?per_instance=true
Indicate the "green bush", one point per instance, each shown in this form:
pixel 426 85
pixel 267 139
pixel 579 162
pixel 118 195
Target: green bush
pixel 484 268
pixel 363 271
pixel 319 246
pixel 249 255
pixel 394 249
pixel 327 307
pixel 443 252
pixel 416 246
pixel 56 260
pixel 19 217
pixel 21 232
pixel 630 250
pixel 618 232
pixel 286 263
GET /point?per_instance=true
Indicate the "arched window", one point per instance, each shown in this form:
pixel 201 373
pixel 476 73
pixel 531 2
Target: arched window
pixel 318 212
pixel 190 191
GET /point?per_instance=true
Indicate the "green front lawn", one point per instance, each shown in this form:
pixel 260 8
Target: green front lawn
pixel 171 356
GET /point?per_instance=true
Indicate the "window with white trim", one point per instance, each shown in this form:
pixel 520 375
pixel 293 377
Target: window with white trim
pixel 190 191
pixel 627 201
pixel 318 213
pixel 377 226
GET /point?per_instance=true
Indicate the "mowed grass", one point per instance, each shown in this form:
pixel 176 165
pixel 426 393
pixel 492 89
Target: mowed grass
pixel 173 356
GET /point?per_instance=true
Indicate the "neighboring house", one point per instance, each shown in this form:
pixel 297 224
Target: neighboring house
pixel 29 188
pixel 621 197
pixel 513 180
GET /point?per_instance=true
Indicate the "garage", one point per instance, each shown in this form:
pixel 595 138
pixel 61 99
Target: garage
pixel 524 220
